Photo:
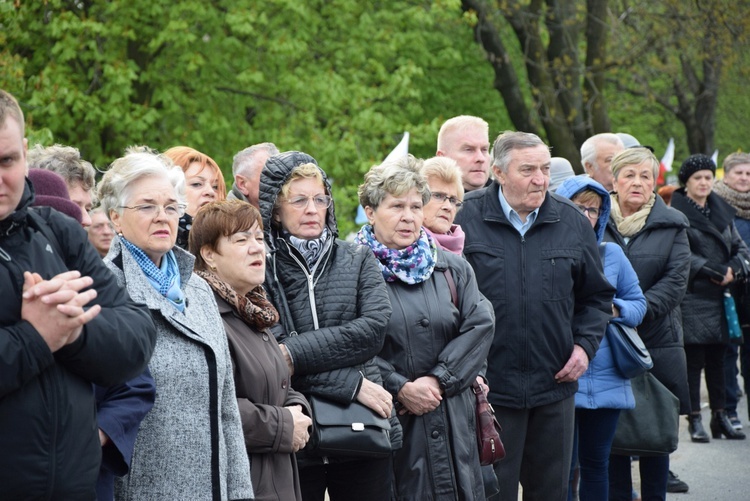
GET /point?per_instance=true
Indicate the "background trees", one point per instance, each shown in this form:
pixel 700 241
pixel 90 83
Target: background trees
pixel 342 79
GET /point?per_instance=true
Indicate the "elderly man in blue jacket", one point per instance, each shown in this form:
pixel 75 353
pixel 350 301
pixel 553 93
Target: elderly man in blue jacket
pixel 64 324
pixel 537 261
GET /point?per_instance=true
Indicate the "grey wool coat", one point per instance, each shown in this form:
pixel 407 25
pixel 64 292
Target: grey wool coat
pixel 191 445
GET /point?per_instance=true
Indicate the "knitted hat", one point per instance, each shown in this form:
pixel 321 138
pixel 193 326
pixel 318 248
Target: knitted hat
pixel 559 170
pixel 51 191
pixel 693 164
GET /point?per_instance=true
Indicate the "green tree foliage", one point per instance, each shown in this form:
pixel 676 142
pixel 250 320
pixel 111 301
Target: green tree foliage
pixel 339 79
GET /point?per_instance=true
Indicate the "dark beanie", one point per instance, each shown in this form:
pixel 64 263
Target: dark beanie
pixel 693 164
pixel 50 190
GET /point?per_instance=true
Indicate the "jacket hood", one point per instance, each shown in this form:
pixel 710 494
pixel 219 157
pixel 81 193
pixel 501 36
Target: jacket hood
pixel 574 185
pixel 277 170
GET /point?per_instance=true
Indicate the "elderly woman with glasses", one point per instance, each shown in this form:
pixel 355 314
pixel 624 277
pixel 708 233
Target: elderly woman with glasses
pixel 334 309
pixel 602 391
pixel 437 340
pixel 446 194
pixel 190 446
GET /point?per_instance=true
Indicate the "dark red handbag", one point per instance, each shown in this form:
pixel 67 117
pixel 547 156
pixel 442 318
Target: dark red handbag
pixel 491 449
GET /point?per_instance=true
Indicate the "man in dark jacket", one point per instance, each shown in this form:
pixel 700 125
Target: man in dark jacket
pixel 64 325
pixel 536 260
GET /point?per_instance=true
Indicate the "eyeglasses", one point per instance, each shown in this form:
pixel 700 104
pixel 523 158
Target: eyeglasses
pixel 301 202
pixel 442 197
pixel 152 210
pixel 591 212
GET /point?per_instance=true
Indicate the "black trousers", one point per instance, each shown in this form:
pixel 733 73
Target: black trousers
pixel 710 357
pixel 358 480
pixel 539 446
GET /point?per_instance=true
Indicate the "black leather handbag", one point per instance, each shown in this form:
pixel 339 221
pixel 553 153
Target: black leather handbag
pixel 347 430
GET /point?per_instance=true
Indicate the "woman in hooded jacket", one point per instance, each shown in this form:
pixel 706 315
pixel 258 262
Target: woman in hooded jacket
pixel 602 391
pixel 334 308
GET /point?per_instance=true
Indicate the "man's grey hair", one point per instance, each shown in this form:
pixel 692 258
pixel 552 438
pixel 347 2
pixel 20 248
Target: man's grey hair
pixel 243 161
pixel 395 178
pixel 115 188
pixel 65 161
pixel 508 141
pixel 589 146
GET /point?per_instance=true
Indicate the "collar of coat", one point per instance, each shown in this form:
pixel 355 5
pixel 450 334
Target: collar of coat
pixel 722 214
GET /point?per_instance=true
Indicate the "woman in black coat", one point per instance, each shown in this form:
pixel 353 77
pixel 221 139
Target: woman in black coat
pixel 717 253
pixel 434 347
pixel 334 308
pixel 654 240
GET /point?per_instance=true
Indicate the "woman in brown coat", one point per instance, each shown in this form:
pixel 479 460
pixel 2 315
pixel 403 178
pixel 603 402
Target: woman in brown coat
pixel 227 240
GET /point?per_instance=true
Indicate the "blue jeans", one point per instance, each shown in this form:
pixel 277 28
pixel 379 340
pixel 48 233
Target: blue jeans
pixel 654 473
pixel 730 371
pixel 594 432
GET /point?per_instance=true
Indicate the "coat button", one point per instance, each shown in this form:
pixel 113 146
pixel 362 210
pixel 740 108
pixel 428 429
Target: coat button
pixel 424 322
pixel 265 337
pixel 283 383
pixel 435 434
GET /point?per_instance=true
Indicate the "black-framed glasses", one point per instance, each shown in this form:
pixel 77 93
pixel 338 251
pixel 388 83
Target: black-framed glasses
pixel 300 202
pixel 442 197
pixel 592 212
pixel 152 210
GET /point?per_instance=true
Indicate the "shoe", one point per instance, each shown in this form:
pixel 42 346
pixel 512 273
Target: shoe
pixel 735 420
pixel 695 427
pixel 720 425
pixel 675 485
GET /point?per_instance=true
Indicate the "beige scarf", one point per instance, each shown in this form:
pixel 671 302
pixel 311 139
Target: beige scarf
pixel 629 226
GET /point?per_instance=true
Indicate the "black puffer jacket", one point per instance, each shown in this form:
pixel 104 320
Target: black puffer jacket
pixel 660 255
pixel 337 314
pixel 48 431
pixel 429 335
pixel 715 245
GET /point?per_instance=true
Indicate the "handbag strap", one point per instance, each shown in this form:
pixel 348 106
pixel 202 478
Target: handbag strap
pixel 451 286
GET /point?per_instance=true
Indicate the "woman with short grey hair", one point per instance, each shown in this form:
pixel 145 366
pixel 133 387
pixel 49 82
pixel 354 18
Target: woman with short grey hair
pixel 443 177
pixel 191 444
pixel 436 342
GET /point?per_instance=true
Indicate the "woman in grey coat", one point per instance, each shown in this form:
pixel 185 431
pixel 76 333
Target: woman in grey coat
pixel 435 347
pixel 190 446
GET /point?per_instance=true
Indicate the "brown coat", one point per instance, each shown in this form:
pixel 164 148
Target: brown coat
pixel 261 378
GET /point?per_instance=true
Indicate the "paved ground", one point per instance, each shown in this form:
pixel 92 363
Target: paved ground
pixel 718 470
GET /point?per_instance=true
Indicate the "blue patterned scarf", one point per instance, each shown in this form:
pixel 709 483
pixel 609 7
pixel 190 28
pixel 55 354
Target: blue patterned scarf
pixel 165 279
pixel 411 265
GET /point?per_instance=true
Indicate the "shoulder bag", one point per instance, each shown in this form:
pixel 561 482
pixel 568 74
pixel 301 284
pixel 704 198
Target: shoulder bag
pixel 491 448
pixel 628 351
pixel 347 430
pixel 652 428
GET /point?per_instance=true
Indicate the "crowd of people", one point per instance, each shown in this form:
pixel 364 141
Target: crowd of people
pixel 165 337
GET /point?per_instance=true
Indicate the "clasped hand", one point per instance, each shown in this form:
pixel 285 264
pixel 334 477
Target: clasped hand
pixel 55 307
pixel 420 396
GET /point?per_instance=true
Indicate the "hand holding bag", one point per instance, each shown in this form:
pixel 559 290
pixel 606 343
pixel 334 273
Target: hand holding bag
pixel 652 428
pixel 491 449
pixel 628 351
pixel 347 430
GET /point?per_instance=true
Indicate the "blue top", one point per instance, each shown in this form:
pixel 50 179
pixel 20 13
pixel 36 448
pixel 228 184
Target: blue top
pixel 602 385
pixel 513 217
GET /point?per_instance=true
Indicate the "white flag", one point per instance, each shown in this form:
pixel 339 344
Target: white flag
pixel 401 149
pixel 668 157
pixel 715 157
